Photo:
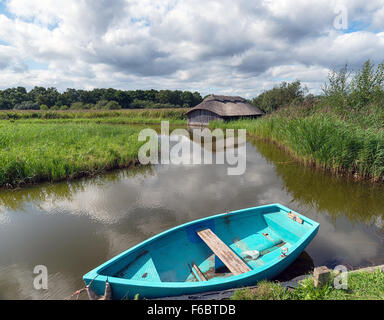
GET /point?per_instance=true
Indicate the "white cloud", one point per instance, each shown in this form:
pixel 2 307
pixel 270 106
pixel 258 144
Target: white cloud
pixel 210 46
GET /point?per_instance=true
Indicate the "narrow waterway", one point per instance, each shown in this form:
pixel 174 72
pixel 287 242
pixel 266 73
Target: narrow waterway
pixel 72 227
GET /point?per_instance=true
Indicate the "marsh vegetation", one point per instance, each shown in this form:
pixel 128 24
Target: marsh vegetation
pixel 341 130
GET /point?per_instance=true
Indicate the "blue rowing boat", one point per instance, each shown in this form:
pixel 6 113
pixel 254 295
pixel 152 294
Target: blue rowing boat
pixel 224 251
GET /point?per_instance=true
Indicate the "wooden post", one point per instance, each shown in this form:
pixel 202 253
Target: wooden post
pixel 321 276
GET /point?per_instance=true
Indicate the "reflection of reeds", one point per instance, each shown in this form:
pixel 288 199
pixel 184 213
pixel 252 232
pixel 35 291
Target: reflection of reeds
pixel 31 153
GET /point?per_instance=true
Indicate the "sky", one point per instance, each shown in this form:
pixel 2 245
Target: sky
pixel 226 47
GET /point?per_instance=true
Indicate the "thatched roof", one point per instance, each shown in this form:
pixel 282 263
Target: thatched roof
pixel 227 106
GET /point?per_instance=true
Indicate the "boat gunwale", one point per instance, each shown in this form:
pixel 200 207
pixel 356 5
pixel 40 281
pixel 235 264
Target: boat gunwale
pixel 96 276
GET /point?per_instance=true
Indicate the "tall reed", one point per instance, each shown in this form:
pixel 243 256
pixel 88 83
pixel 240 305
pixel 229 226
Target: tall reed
pixel 323 140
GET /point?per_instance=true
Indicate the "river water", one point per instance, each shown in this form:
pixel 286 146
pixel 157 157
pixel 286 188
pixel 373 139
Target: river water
pixel 72 227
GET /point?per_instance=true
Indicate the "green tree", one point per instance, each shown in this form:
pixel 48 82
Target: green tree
pixel 164 96
pixel 187 99
pixel 123 98
pixel 197 99
pixel 69 96
pixel 150 95
pixel 367 85
pixel 277 97
pixel 337 89
pixel 10 97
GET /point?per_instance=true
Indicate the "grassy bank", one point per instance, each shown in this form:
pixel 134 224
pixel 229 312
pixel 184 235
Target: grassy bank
pixel 323 140
pixel 37 146
pixel 361 286
pixel 31 153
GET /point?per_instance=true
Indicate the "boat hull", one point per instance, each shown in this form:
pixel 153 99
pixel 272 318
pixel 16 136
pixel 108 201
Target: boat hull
pixel 127 288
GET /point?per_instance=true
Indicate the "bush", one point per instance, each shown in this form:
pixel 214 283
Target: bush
pixel 44 107
pixel 112 105
pixel 64 107
pixel 77 106
pixel 88 106
pixel 55 108
pixel 145 104
pixel 27 105
pixel 101 104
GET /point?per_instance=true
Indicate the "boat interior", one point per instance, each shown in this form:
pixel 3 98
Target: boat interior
pixel 220 247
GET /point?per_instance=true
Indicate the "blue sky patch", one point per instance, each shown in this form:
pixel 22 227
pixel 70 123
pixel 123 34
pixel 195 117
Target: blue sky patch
pixel 356 26
pixel 3 8
pixel 35 65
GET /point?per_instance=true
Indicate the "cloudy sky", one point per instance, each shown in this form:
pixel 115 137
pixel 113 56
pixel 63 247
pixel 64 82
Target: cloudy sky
pixel 231 47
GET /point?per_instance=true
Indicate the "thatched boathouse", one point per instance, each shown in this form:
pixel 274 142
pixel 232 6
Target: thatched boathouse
pixel 222 108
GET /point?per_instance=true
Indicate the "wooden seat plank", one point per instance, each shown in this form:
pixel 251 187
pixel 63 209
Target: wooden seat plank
pixel 223 252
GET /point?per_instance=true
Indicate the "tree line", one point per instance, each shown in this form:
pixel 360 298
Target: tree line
pixel 344 90
pixel 40 98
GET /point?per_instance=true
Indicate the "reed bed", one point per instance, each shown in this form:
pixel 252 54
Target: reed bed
pixel 173 114
pixel 106 120
pixel 31 153
pixel 323 140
